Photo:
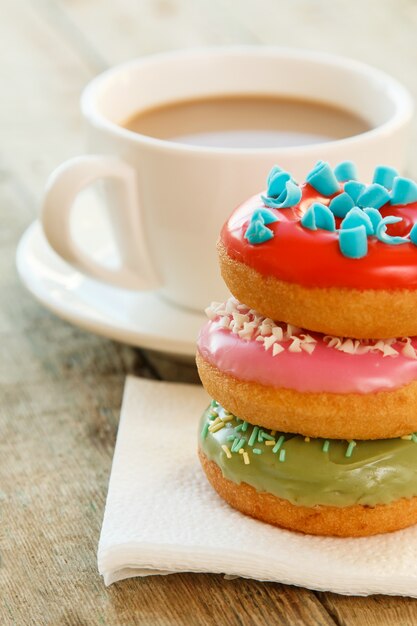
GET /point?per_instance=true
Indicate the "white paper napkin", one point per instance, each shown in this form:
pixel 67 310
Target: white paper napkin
pixel 162 516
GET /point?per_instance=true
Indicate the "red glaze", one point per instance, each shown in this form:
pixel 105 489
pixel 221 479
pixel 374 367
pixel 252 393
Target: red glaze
pixel 313 259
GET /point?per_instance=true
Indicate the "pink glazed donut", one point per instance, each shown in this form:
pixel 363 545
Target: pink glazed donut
pixel 285 378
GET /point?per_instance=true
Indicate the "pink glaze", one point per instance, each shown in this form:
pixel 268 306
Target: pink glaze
pixel 325 370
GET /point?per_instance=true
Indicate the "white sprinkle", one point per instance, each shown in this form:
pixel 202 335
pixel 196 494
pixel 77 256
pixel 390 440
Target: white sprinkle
pixel 225 322
pixel 292 330
pixel 390 351
pixel 278 333
pixel 240 318
pixel 277 349
pixel 307 338
pixel 361 349
pixel 408 350
pixel 210 312
pixel 379 346
pixel 347 346
pixel 247 330
pixel 268 341
pixel 248 324
pixel 265 329
pixel 295 345
pixel 332 342
pixel 308 347
pixel 231 305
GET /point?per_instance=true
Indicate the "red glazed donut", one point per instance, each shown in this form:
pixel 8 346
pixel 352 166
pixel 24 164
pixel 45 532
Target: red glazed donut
pixel 300 276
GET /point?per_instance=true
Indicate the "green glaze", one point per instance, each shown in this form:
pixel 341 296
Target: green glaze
pixel 377 472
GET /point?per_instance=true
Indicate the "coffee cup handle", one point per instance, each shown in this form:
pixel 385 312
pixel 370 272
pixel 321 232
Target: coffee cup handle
pixel 136 270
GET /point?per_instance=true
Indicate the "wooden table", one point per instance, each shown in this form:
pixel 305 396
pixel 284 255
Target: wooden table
pixel 61 388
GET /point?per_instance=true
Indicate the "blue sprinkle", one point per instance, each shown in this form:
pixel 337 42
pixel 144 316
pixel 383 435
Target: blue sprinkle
pixel 318 216
pixel 384 175
pixel 374 196
pixel 353 242
pixel 322 179
pixel 374 215
pixel 289 196
pixel 276 184
pixel 276 169
pixel 354 189
pixel 293 195
pixel 404 191
pixel 257 232
pixel 265 214
pixel 346 170
pixel 381 231
pixel 357 217
pixel 309 219
pixel 413 234
pixel 324 217
pixel 341 205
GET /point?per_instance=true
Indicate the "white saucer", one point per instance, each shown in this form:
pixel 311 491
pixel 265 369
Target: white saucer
pixel 137 318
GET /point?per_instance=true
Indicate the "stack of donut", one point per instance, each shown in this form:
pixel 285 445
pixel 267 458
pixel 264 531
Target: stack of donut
pixel 312 363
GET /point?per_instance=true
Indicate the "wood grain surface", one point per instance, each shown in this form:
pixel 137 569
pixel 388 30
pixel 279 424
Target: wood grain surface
pixel 61 388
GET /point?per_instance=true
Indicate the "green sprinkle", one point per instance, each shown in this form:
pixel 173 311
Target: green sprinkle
pixel 260 436
pixel 257 451
pixel 282 455
pixel 205 430
pixel 235 442
pixel 239 445
pixel 278 444
pixel 214 404
pixel 252 438
pixel 239 428
pixel 414 437
pixel 230 437
pixel 350 447
pixel 238 419
pixel 268 437
pixel 245 426
pixel 326 446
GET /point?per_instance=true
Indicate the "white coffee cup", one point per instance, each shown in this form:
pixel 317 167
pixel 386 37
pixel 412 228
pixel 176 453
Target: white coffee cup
pixel 167 201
